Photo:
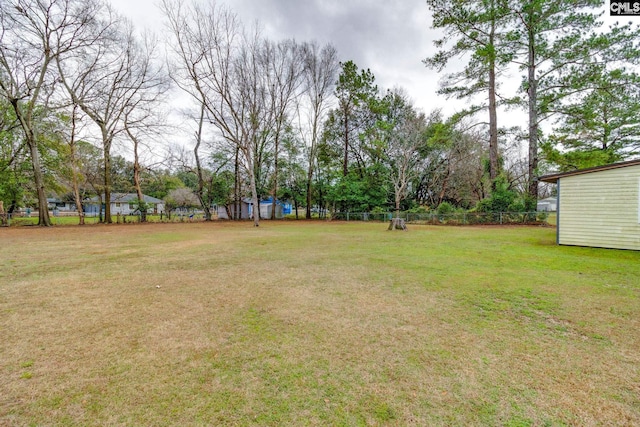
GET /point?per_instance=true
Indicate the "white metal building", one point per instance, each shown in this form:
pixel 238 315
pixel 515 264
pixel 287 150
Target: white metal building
pixel 599 207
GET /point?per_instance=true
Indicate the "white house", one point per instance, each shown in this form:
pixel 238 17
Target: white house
pixel 599 206
pixel 550 204
pixel 245 210
pixel 54 203
pixel 266 209
pixel 124 204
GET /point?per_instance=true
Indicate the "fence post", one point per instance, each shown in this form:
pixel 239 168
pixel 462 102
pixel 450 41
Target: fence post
pixel 347 215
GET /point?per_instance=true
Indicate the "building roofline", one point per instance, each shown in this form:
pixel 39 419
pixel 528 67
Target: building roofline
pixel 553 178
pixel 125 198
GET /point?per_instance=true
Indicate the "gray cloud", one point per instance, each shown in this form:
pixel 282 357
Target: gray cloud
pixel 389 37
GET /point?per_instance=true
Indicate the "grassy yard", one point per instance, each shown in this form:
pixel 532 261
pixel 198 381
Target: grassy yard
pixel 73 219
pixel 312 323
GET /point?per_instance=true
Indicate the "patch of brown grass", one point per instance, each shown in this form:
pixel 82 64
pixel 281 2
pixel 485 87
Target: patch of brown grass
pixel 314 324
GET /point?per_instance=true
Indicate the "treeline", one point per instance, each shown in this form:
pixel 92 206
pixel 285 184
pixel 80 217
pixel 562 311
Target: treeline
pixel 579 80
pixel 88 107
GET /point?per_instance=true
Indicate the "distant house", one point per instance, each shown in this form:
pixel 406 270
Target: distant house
pixel 550 204
pixel 245 210
pixel 266 208
pixel 599 206
pixel 124 204
pixel 55 203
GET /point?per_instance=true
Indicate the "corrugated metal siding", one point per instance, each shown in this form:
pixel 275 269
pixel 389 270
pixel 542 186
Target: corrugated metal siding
pixel 601 209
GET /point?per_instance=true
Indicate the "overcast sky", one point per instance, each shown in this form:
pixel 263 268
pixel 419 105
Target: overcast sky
pixel 390 37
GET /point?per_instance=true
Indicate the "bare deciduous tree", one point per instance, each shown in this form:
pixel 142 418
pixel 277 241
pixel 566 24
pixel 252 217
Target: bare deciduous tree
pixel 96 77
pixel 143 117
pixel 75 173
pixel 115 83
pixel 283 66
pixel 222 65
pixel 407 135
pixel 33 35
pixel 180 198
pixel 320 71
pixel 188 75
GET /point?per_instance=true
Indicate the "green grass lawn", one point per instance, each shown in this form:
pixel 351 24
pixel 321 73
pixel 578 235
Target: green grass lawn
pixel 315 323
pixel 90 220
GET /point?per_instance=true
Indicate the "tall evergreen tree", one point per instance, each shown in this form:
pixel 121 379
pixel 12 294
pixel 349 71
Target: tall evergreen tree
pixel 475 28
pixel 601 125
pixel 353 90
pixel 565 55
pixel 598 107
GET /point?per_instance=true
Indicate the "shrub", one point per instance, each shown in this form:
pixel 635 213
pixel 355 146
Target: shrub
pixel 445 208
pixel 418 210
pixel 505 199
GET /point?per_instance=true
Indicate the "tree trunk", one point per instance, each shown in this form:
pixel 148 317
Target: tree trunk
pixel 445 184
pixel 493 115
pixel 204 203
pixel 3 215
pixel 30 137
pixel 310 170
pixel 275 180
pixel 107 184
pixel 321 204
pixel 309 179
pixel 255 200
pixel 312 160
pixel 74 169
pixel 100 217
pixel 142 206
pixel 345 161
pixel 533 117
pixel 606 131
pixel 254 190
pixel 43 208
pixel 237 203
pixel 397 224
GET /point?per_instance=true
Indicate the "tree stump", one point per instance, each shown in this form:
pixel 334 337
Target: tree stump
pixel 397 224
pixel 3 215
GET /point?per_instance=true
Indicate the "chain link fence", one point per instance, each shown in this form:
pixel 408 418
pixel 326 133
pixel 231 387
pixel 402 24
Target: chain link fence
pixel 71 218
pixel 458 218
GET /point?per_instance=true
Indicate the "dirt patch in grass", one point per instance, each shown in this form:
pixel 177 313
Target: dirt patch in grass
pixel 315 324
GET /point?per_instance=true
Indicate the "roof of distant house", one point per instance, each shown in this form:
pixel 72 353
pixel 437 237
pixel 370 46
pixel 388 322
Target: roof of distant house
pixel 126 198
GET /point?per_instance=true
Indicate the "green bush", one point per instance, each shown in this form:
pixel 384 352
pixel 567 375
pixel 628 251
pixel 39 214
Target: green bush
pixel 418 210
pixel 505 199
pixel 445 208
